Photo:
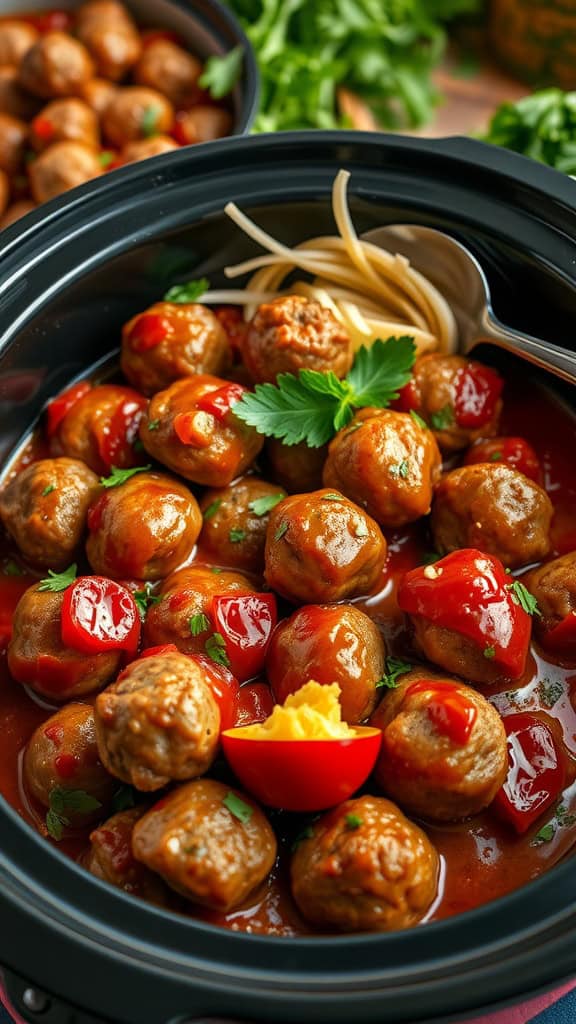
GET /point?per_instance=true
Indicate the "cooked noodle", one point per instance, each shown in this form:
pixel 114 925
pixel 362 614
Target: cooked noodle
pixel 373 292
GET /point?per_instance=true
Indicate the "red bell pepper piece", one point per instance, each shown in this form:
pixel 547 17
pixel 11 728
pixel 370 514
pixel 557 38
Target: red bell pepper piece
pixel 408 398
pixel 149 330
pixel 116 437
pixel 43 128
pixel 221 401
pixel 448 708
pixel 514 451
pixel 468 592
pixel 246 624
pixel 478 389
pixel 99 615
pixel 562 638
pixel 52 21
pixel 536 771
pixel 61 405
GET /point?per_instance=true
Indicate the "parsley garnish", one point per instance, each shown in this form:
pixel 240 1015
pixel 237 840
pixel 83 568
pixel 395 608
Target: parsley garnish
pixel 153 424
pixel 123 799
pixel 550 692
pixel 212 509
pixel 430 557
pixel 352 822
pixel 418 419
pixel 261 506
pixel 238 807
pixel 149 122
pixel 48 490
pixel 489 652
pixel 495 457
pixel 57 581
pixel 106 157
pixel 306 833
pixel 546 833
pixel 144 598
pixel 120 476
pixel 221 73
pixel 443 418
pixel 236 536
pixel 215 648
pixel 281 530
pixel 189 292
pixel 199 623
pixel 394 667
pixel 520 595
pixel 400 469
pixel 313 406
pixel 332 497
pixel 216 569
pixel 11 568
pixel 62 800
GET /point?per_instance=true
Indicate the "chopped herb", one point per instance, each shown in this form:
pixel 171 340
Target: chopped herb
pixel 522 596
pixel 212 509
pixel 238 807
pixel 221 73
pixel 443 418
pixel 189 292
pixel 394 667
pixel 138 446
pixel 496 457
pixel 306 833
pixel 106 157
pixel 489 652
pixel 144 598
pixel 215 569
pixel 215 648
pixel 123 799
pixel 546 833
pixel 564 819
pixel 199 623
pixel 400 469
pixel 149 122
pixel 62 800
pixel 260 506
pixel 281 530
pixel 361 529
pixel 418 419
pixel 430 557
pixel 120 476
pixel 332 497
pixel 153 424
pixel 352 822
pixel 550 692
pixel 11 568
pixel 57 581
pixel 236 536
pixel 48 490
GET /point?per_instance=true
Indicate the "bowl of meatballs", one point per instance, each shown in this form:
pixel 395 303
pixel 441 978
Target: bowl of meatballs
pixel 288 592
pixel 91 87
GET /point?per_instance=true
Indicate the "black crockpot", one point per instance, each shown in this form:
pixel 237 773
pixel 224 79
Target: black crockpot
pixel 69 277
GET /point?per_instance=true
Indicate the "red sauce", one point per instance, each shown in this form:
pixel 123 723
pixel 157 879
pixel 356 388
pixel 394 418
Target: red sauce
pixel 448 708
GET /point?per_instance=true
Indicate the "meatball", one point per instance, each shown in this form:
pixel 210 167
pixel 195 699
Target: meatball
pixel 13 139
pixel 494 508
pixel 514 451
pixel 100 428
pixel 365 867
pixel 62 754
pixel 191 428
pixel 15 212
pixel 136 113
pixel 293 333
pixel 202 849
pixel 110 858
pixel 444 753
pixel 37 656
pixel 172 340
pixel 203 124
pixel 297 467
pixel 321 547
pixel 143 149
pixel 159 722
pixel 13 99
pixel 554 587
pixel 44 509
pixel 185 594
pixel 97 93
pixel 142 529
pixel 62 166
pixel 66 120
pixel 330 644
pixel 235 522
pixel 169 69
pixel 16 38
pixel 57 65
pixel 387 463
pixel 458 398
pixel 108 31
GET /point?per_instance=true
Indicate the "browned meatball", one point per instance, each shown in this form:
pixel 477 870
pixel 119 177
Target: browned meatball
pixel 207 447
pixel 143 149
pixel 63 166
pixel 330 644
pixel 297 467
pixel 13 99
pixel 37 656
pixel 185 594
pixel 57 65
pixel 65 120
pixel 193 839
pixel 62 754
pixel 187 338
pixel 13 139
pixel 444 753
pixel 16 38
pixel 15 212
pixel 554 587
pixel 457 397
pixel 89 430
pixel 142 529
pixel 44 509
pixel 136 113
pixel 203 124
pixel 387 463
pixel 321 547
pixel 108 31
pixel 293 333
pixel 235 522
pixel 158 723
pixel 494 508
pixel 365 868
pixel 110 858
pixel 169 69
pixel 97 93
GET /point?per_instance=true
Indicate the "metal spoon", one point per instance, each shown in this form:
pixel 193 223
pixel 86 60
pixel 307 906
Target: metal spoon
pixel 452 268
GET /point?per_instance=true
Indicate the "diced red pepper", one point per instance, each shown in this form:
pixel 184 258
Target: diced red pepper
pixel 116 436
pixel 43 128
pixel 59 407
pixel 478 389
pixel 246 624
pixel 52 21
pixel 562 639
pixel 514 451
pixel 99 615
pixel 536 772
pixel 449 710
pixel 468 592
pixel 254 703
pixel 149 330
pixel 179 132
pixel 66 765
pixel 408 398
pixel 222 400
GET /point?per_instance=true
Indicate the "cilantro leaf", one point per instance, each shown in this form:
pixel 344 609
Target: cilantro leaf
pixel 215 648
pixel 11 568
pixel 282 529
pixel 199 623
pixel 221 73
pixel 145 598
pixel 489 652
pixel 62 800
pixel 306 833
pixel 261 506
pixel 106 157
pixel 48 490
pixel 124 799
pixel 212 509
pixel 545 835
pixel 120 476
pixel 443 418
pixel 418 419
pixel 522 596
pixel 352 822
pixel 238 807
pixel 236 536
pixel 153 424
pixel 57 581
pixel 379 372
pixel 189 292
pixel 401 469
pixel 149 122
pixel 394 667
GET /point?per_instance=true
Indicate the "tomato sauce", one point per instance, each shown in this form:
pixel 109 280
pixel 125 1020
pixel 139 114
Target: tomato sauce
pixel 482 858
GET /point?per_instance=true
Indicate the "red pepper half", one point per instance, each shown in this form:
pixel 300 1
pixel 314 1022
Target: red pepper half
pixel 246 624
pixel 478 389
pixel 99 615
pixel 467 592
pixel 116 436
pixel 60 406
pixel 220 402
pixel 562 639
pixel 514 451
pixel 448 708
pixel 536 771
pixel 148 331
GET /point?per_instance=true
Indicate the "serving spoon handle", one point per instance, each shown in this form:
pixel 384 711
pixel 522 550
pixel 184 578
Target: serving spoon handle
pixel 560 361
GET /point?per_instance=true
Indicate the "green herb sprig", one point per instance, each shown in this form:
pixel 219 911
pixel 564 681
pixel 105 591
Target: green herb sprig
pixel 57 581
pixel 120 476
pixel 62 801
pixel 189 292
